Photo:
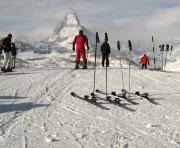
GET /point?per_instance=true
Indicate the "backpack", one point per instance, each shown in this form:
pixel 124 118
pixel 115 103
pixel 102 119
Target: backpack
pixel 1 43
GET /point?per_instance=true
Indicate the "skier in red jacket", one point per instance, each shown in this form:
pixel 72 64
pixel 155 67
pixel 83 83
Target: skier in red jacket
pixel 144 61
pixel 80 41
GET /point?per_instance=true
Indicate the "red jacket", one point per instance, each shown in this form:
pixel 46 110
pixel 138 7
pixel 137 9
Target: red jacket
pixel 144 60
pixel 80 41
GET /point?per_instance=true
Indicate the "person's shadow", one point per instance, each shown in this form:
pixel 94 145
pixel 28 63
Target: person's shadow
pixel 17 106
pixel 4 108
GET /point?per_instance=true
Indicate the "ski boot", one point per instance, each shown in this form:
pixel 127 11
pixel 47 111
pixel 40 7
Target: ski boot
pixel 117 101
pixel 109 99
pixel 85 66
pixel 77 66
pixel 2 69
pixel 8 70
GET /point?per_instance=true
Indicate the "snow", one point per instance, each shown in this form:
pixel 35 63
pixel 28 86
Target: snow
pixel 173 63
pixel 37 110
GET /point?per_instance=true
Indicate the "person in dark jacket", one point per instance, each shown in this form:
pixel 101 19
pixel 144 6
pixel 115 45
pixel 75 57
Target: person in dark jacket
pixel 13 55
pixel 105 50
pixel 144 61
pixel 80 41
pixel 6 45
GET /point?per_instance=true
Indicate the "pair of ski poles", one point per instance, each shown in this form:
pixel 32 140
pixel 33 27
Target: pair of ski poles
pixel 95 54
pixel 118 46
pixel 130 49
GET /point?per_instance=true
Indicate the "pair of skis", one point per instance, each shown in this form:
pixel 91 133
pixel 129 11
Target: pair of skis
pixel 116 101
pixel 119 96
pixel 93 100
pixel 142 96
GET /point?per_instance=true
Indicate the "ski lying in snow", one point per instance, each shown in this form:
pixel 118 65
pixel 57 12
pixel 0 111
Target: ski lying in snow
pixel 91 100
pixel 86 98
pixel 121 95
pixel 115 101
pixel 143 95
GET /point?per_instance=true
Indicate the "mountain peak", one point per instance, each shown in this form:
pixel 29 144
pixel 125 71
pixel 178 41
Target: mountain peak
pixel 70 25
pixel 71 19
pixel 67 29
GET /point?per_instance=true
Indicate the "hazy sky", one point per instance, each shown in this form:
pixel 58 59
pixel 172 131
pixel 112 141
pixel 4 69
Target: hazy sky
pixel 122 19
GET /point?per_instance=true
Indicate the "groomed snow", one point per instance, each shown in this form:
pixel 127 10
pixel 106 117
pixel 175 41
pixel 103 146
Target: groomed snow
pixel 37 110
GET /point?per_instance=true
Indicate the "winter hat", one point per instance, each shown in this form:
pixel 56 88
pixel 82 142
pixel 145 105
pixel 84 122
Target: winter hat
pixel 10 35
pixel 80 31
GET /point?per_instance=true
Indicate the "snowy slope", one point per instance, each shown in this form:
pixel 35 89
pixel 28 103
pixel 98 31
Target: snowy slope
pixel 37 110
pixel 173 63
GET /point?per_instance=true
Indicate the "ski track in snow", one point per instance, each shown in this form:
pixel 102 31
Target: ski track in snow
pixel 37 109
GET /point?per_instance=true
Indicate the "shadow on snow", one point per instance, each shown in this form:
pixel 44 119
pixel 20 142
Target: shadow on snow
pixel 12 97
pixel 4 108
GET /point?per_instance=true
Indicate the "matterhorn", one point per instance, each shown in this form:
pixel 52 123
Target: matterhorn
pixel 66 30
pixel 61 38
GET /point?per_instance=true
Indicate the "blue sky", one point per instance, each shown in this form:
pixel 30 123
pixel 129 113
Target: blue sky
pixel 122 19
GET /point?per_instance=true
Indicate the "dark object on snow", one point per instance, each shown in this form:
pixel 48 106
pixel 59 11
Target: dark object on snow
pixel 163 47
pixel 97 38
pixel 167 47
pixel 130 45
pixel 118 45
pixel 106 37
pixel 117 101
pixel 171 48
pixel 86 98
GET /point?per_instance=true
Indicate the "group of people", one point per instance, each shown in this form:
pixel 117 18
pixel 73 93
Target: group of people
pixel 80 41
pixel 8 50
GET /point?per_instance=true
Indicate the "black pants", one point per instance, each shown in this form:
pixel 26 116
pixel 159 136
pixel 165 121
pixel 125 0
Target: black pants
pixel 105 57
pixel 144 66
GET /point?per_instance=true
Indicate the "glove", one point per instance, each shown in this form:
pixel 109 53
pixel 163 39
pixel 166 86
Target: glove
pixel 87 48
pixel 73 49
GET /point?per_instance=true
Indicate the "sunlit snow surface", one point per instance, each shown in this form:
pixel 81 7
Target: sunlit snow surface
pixel 37 109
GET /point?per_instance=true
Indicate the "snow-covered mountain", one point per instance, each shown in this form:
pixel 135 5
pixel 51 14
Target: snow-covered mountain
pixel 62 37
pixel 66 30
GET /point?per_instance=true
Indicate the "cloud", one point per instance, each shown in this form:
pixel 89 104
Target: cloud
pixel 122 19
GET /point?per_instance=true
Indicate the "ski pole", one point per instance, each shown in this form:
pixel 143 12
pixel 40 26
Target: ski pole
pixel 95 50
pixel 119 48
pixel 106 39
pixel 171 52
pixel 153 51
pixel 122 74
pixel 167 49
pixel 130 49
pixel 162 57
pixel 87 56
pixel 161 52
pixel 106 81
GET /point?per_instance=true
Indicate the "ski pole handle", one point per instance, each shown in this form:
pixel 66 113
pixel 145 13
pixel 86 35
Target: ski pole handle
pixel 97 38
pixel 106 37
pixel 130 45
pixel 118 45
